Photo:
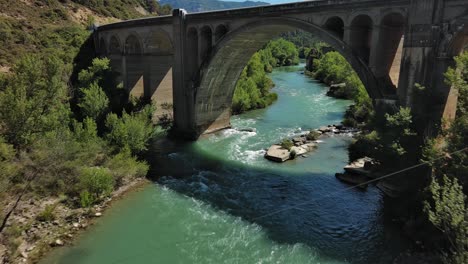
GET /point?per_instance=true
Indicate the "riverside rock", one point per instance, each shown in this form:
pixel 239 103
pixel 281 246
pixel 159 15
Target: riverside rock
pixel 277 153
pixel 299 150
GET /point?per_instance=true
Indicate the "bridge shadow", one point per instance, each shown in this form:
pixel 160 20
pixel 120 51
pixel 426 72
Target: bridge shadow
pixel 343 227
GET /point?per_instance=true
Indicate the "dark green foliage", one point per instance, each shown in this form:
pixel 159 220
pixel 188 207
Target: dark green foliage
pixel 34 100
pixel 253 87
pixel 132 131
pixel 93 102
pixel 313 135
pixel 286 144
pixel 447 212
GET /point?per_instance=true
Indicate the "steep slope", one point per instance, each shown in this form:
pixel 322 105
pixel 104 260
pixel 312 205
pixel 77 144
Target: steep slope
pixel 38 26
pixel 207 5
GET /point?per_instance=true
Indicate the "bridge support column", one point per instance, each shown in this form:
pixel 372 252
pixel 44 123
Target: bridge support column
pixel 423 65
pixel 183 85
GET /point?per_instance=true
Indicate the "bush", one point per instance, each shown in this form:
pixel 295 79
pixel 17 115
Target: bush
pixel 94 102
pixel 124 165
pixel 132 131
pixel 286 144
pixel 313 135
pixel 48 214
pixel 292 154
pixel 96 182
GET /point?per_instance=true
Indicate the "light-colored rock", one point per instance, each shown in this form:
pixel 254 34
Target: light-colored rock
pixel 324 129
pixel 57 243
pixel 24 255
pixel 309 146
pixel 357 167
pixel 299 150
pixel 76 225
pixel 98 214
pixel 277 153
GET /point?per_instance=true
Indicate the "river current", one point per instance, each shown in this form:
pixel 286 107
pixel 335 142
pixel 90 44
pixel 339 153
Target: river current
pixel 218 200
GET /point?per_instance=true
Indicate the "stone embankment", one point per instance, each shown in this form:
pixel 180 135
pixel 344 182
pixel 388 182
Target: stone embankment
pixel 302 144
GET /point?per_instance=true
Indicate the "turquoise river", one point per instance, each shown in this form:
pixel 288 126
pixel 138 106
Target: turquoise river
pixel 218 200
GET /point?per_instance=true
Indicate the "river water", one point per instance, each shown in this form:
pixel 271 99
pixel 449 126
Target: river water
pixel 219 201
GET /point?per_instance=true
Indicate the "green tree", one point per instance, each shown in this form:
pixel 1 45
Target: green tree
pixel 447 211
pixel 94 102
pixel 95 183
pixel 34 100
pixel 132 131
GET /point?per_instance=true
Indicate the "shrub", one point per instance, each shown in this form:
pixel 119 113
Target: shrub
pixel 124 165
pixel 48 214
pixel 286 144
pixel 313 135
pixel 132 131
pixel 97 182
pixel 292 154
pixel 94 102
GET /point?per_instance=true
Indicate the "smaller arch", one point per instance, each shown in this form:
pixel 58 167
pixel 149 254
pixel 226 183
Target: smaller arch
pixel 220 32
pixel 114 45
pixel 133 45
pixel 158 42
pixel 102 47
pixel 361 35
pixel 336 26
pixel 206 37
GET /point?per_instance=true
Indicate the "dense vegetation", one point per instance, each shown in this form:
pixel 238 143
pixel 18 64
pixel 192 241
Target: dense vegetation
pixel 332 68
pixel 207 5
pixel 68 131
pixel 253 88
pixel 446 206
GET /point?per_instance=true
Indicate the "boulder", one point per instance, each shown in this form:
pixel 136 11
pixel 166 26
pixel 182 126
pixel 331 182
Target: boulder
pixel 324 129
pixel 57 243
pixel 309 147
pixel 298 140
pixel 277 153
pixel 353 179
pixel 357 167
pixel 299 150
pixel 336 90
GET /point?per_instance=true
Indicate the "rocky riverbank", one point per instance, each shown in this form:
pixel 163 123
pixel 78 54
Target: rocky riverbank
pixel 31 233
pixel 303 143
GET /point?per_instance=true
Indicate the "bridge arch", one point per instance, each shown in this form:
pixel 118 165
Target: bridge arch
pixel 133 44
pixel 158 42
pixel 220 31
pixel 335 25
pixel 102 47
pixel 459 40
pixel 361 28
pixel 220 72
pixel 206 41
pixel 114 45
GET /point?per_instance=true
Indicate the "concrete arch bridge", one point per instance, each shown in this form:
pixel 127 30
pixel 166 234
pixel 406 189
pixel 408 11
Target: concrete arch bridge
pixel 198 57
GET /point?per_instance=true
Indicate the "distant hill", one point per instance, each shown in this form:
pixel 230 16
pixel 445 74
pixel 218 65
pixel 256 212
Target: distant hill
pixel 207 5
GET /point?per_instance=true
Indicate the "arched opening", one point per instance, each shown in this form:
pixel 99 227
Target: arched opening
pixel 159 43
pixel 134 68
pixel 206 42
pixel 132 45
pixel 392 28
pixel 102 47
pixel 218 78
pixel 361 35
pixel 114 45
pixel 192 51
pixel 336 26
pixel 220 31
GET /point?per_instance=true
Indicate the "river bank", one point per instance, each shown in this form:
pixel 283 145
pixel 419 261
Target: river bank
pixel 39 236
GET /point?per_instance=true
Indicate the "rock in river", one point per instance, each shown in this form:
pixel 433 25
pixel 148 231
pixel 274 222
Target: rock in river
pixel 277 153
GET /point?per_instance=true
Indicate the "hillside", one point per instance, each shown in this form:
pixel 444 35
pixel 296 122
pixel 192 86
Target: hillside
pixel 207 5
pixel 35 26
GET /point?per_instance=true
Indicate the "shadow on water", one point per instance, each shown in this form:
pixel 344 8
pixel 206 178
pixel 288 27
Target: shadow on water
pixel 341 226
